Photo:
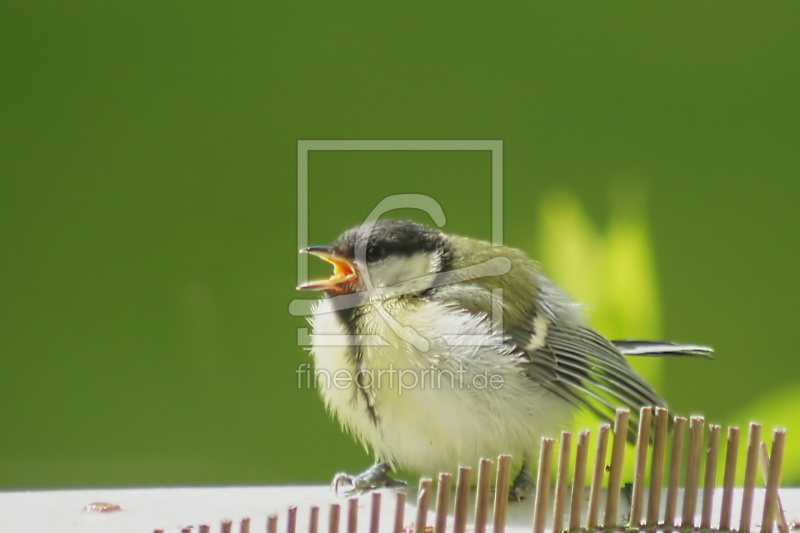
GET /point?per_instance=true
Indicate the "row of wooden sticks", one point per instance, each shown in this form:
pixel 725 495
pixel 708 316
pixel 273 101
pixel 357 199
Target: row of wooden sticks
pixel 568 512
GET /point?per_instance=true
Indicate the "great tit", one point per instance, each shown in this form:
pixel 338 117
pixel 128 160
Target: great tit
pixel 436 350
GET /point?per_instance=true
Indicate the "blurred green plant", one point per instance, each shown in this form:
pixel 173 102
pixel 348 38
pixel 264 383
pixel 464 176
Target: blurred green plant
pixel 613 273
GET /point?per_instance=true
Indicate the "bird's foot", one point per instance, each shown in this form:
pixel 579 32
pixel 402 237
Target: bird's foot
pixel 375 477
pixel 522 487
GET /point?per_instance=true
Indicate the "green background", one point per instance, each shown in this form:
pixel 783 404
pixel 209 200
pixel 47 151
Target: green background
pixel 148 176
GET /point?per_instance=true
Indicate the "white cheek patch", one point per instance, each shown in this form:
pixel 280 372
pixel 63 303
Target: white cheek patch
pixel 402 269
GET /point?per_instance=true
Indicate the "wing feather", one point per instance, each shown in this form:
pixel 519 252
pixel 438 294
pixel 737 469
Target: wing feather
pixel 579 364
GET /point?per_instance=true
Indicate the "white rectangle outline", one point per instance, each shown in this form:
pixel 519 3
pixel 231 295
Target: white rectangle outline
pixel 304 146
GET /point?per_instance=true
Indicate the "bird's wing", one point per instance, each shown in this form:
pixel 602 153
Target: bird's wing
pixel 573 361
pixel 584 368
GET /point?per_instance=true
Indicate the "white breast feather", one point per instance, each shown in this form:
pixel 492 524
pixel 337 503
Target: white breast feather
pixel 436 427
pixel 330 357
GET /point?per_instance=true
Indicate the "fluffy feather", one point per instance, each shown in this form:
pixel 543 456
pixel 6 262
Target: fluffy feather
pixel 474 363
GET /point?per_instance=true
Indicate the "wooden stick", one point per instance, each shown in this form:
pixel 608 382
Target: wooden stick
pixel 291 520
pixel 657 466
pixel 462 500
pixel 272 523
pixel 202 529
pixel 579 481
pixel 244 525
pixel 352 515
pixel 482 499
pixel 729 479
pixel 421 521
pixel 313 520
pixel 771 469
pixel 333 519
pixel 710 479
pixel 226 526
pixel 375 513
pixel 750 469
pixel 501 492
pixel 617 463
pixel 676 459
pixel 442 504
pixel 693 461
pixel 399 512
pixel 764 462
pixel 640 467
pixel 543 486
pixel 562 479
pixel 598 474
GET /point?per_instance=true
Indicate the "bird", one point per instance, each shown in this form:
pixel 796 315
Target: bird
pixel 437 350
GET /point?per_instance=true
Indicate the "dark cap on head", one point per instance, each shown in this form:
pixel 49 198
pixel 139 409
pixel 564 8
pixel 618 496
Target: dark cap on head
pixel 393 237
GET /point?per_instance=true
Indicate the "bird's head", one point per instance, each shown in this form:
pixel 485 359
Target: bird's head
pixel 391 258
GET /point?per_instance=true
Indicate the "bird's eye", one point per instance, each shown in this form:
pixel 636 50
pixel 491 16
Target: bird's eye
pixel 375 253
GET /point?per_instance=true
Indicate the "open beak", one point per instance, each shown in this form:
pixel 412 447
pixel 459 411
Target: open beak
pixel 343 270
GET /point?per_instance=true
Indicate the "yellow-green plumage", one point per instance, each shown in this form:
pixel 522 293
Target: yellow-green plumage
pixel 434 303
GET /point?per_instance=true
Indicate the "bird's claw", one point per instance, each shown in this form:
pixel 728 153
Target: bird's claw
pixel 522 487
pixel 345 479
pixel 376 477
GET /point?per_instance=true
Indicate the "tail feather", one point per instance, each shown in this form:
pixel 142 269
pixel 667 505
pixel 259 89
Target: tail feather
pixel 662 349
